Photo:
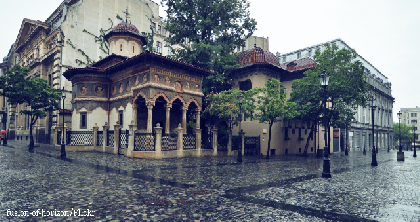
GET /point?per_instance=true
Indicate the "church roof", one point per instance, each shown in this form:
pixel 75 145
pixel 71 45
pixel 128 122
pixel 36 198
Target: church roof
pixel 126 28
pixel 299 64
pixel 257 55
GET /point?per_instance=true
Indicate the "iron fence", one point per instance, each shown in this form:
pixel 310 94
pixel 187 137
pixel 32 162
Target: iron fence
pixel 100 138
pixel 110 138
pixel 189 141
pixel 169 141
pixel 79 138
pixel 144 141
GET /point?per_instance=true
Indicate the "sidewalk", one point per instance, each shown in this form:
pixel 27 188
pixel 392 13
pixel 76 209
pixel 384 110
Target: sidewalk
pixel 284 188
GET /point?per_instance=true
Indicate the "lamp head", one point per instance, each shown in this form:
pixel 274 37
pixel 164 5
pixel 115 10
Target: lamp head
pixel 399 115
pixel 324 78
pixel 63 95
pixel 240 99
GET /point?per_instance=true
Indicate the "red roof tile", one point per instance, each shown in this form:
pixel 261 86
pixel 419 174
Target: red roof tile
pixel 299 64
pixel 257 55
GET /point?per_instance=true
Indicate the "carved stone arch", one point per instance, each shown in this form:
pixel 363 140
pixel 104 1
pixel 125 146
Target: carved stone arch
pixel 165 97
pixel 177 96
pixel 193 100
pixel 141 94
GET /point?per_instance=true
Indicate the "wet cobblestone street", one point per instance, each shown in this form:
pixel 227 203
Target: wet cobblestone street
pixel 284 188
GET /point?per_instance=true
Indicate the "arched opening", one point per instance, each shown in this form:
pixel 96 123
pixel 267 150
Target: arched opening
pixel 175 115
pixel 141 114
pixel 159 113
pixel 191 118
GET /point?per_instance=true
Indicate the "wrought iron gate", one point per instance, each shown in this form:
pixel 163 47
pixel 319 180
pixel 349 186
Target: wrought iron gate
pixel 252 145
pixel 123 143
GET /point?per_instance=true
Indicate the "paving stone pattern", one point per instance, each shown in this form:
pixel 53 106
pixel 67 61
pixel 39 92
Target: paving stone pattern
pixel 284 188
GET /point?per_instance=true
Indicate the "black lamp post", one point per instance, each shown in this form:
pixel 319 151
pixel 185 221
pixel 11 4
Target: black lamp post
pixel 414 139
pixel 324 78
pixel 374 162
pixel 63 145
pixel 400 153
pixel 346 152
pixel 240 101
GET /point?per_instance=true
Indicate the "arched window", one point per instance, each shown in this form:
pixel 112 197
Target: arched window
pixel 121 47
pixel 245 85
pixel 133 48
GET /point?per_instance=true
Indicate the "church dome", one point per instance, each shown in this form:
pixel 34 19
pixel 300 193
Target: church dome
pixel 257 55
pixel 125 28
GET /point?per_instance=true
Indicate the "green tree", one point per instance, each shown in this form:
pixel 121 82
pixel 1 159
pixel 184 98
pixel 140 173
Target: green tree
pixel 271 105
pixel 206 33
pixel 36 93
pixel 406 133
pixel 346 89
pixel 224 105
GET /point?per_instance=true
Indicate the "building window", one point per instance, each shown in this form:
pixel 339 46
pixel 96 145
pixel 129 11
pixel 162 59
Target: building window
pixel 298 55
pixel 286 133
pixel 158 47
pixel 164 32
pixel 83 120
pixel 121 117
pixel 245 85
pixel 284 59
pixel 133 49
pixel 121 47
pixel 413 114
pixel 413 121
pixel 154 27
pixel 415 128
pixel 159 31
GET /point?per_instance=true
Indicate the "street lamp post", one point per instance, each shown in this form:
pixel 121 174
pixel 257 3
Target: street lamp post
pixel 400 153
pixel 346 152
pixel 63 145
pixel 374 162
pixel 324 78
pixel 414 140
pixel 240 101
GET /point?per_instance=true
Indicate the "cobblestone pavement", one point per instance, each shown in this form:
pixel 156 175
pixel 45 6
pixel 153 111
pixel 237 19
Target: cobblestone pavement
pixel 91 186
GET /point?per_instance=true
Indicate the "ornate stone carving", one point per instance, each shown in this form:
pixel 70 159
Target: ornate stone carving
pixel 83 90
pixel 136 81
pixel 121 88
pixel 156 78
pixel 144 79
pixel 114 90
pixel 128 88
pixel 99 90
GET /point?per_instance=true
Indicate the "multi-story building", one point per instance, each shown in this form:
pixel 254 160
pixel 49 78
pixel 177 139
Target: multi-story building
pixel 410 117
pixel 359 136
pixel 73 37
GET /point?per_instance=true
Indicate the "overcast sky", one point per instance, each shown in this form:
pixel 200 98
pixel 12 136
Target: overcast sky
pixel 385 33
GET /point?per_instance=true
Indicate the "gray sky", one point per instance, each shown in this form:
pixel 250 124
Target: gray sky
pixel 386 33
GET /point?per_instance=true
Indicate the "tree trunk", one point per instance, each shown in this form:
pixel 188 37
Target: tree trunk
pixel 305 151
pixel 269 141
pixel 31 138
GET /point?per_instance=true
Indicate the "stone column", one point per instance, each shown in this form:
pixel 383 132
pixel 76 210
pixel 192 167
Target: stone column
pixel 197 120
pixel 95 136
pixel 184 118
pixel 117 128
pixel 132 127
pixel 149 116
pixel 229 145
pixel 180 144
pixel 158 144
pixel 54 128
pixel 65 133
pixel 198 141
pixel 168 119
pixel 242 134
pixel 214 131
pixel 134 116
pixel 105 133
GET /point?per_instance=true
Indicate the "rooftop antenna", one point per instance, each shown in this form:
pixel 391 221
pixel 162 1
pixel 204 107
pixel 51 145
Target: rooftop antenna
pixel 127 15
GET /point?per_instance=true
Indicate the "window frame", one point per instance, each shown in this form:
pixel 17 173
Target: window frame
pixel 83 116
